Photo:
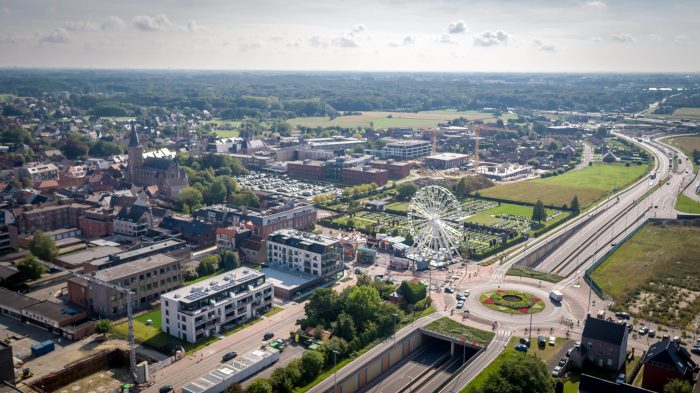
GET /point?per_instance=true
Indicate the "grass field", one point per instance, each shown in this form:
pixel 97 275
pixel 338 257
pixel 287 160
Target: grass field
pixel 546 354
pixel 588 184
pixel 687 112
pixel 452 328
pixel 524 272
pixel 397 119
pixel 654 274
pixel 687 144
pixel 687 205
pixel 227 133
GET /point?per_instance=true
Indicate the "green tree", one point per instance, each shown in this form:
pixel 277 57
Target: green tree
pixel 538 212
pixel 208 265
pixel 362 304
pixel 245 198
pixel 43 246
pixel 191 198
pixel 406 190
pixel 677 386
pixel 284 379
pixel 260 385
pixel 311 364
pixel 462 189
pixel 345 327
pixel 575 205
pixel 323 307
pixel 75 146
pixel 104 149
pixel 30 268
pixel 519 374
pixel 216 193
pixel 413 293
pixel 103 326
pixel 229 260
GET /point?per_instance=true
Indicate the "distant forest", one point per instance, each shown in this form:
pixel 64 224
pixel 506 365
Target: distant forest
pixel 283 95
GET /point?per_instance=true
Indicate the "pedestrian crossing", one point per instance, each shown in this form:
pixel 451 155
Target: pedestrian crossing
pixel 502 336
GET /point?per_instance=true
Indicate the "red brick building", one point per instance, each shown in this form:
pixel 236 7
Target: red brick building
pixel 665 361
pixel 306 169
pixel 397 170
pixel 364 175
pixel 95 223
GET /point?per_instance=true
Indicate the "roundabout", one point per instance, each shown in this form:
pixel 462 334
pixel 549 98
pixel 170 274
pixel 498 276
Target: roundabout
pixel 512 301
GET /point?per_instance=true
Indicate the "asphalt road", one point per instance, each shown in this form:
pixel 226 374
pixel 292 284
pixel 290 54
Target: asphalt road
pixel 404 375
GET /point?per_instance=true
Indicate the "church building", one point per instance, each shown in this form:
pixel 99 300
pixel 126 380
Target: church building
pixel 164 173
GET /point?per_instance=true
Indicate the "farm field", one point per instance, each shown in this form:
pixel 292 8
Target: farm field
pixel 227 133
pixel 397 119
pixel 687 205
pixel 588 184
pixel 653 274
pixel 687 112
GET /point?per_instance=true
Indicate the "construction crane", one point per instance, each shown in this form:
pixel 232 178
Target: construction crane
pixel 129 309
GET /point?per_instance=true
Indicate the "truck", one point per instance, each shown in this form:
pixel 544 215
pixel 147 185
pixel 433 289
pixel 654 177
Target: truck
pixel 42 348
pixel 556 296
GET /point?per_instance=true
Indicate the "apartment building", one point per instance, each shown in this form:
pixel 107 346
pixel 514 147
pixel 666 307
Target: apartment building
pixel 364 175
pixel 39 172
pixel 133 221
pixel 409 149
pixel 397 170
pixel 147 278
pixel 216 304
pixel 50 216
pixel 314 254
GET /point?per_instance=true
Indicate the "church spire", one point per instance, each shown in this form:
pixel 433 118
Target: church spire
pixel 134 137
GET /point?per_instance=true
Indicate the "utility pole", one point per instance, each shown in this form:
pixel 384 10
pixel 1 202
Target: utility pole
pixel 530 331
pixel 394 315
pixel 335 371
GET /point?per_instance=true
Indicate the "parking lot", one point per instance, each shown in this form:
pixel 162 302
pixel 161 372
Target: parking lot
pixel 283 184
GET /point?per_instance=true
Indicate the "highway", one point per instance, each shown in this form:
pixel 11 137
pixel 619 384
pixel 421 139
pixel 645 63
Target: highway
pixel 429 356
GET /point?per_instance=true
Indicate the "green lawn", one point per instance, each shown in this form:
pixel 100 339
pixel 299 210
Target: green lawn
pixel 274 311
pixel 118 118
pixel 202 278
pixel 687 205
pixel 397 206
pixel 546 354
pixel 687 112
pixel 488 216
pixel 452 328
pixel 588 184
pixel 398 119
pixel 223 122
pixel 524 272
pixel 650 269
pixel 687 144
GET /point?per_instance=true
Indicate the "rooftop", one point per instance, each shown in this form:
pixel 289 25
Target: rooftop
pixel 406 142
pixel 291 237
pixel 130 268
pixel 286 279
pixel 53 311
pixel 91 254
pixel 606 331
pixel 212 285
pixel 447 156
pixel 15 300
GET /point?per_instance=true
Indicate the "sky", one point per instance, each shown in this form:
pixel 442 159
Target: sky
pixel 346 35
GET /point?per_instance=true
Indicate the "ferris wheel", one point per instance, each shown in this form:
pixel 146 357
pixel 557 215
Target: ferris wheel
pixel 435 218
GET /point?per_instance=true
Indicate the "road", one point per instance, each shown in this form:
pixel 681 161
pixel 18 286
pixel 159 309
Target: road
pixel 428 357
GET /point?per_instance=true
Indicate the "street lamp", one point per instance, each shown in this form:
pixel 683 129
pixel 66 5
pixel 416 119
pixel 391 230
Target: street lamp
pixel 395 316
pixel 335 371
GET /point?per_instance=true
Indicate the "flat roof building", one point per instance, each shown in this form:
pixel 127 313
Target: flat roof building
pixel 321 256
pixel 409 149
pixel 216 304
pixel 446 160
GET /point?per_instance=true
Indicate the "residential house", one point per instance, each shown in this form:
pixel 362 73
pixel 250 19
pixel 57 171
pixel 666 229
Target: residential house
pixel 603 343
pixel 666 360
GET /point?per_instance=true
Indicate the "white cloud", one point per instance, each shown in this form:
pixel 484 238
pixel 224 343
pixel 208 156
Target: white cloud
pixel 249 46
pixel 409 40
pixel 447 39
pixel 596 5
pixel 192 27
pixel 537 43
pixel 596 39
pixel 113 23
pixel 358 28
pixel 317 42
pixel 13 39
pixel 654 37
pixel 82 26
pixel 622 38
pixel 457 27
pixel 58 36
pixel 158 22
pixel 345 41
pixel 487 38
pixel 294 44
pixel 680 38
pixel 5 11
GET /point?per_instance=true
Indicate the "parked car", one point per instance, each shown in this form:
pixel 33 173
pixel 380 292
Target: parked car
pixel 630 327
pixel 621 378
pixel 652 333
pixel 552 340
pixel 665 337
pixel 460 304
pixel 460 297
pixel 643 330
pixel 229 356
pixel 562 361
pixel 521 348
pixel 695 350
pixel 541 341
pixel 525 341
pixel 268 335
pixel 556 371
pixel 165 389
pixel 448 290
pixel 467 292
pixel 625 315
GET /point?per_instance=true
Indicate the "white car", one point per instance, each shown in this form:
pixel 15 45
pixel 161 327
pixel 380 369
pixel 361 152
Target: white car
pixel 620 378
pixel 552 340
pixel 556 371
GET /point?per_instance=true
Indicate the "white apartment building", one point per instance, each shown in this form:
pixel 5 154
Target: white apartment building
pixel 305 252
pixel 39 172
pixel 216 304
pixel 409 149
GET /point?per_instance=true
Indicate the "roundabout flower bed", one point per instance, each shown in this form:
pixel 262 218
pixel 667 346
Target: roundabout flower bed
pixel 512 302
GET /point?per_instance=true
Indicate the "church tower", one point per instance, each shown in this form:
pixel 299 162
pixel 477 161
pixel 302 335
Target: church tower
pixel 135 151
